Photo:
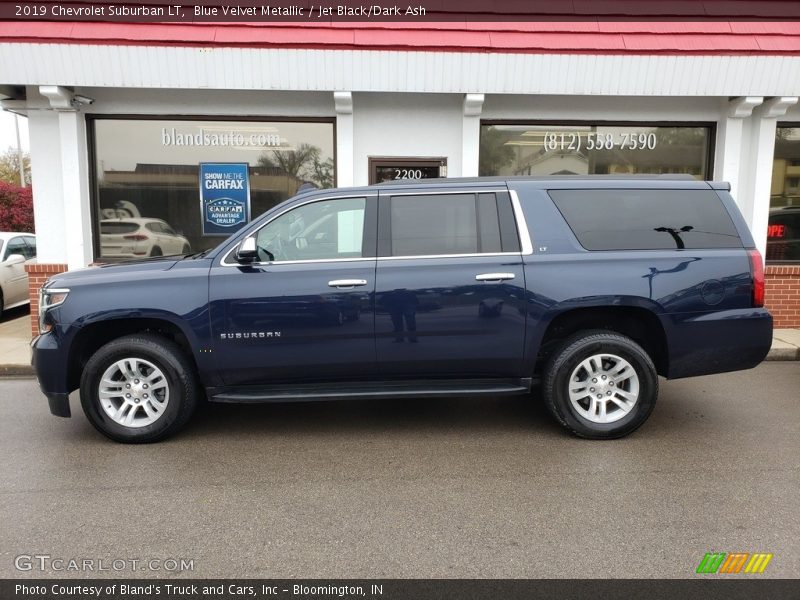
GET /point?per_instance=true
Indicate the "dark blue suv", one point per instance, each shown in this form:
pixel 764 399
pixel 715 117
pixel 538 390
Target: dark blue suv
pixel 590 286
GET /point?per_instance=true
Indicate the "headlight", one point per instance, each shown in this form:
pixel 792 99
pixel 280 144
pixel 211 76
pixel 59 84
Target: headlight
pixel 48 298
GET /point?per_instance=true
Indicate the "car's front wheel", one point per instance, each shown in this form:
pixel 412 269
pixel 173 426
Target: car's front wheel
pixel 139 388
pixel 600 385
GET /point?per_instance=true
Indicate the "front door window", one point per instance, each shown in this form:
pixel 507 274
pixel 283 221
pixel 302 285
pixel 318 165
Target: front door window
pixel 324 230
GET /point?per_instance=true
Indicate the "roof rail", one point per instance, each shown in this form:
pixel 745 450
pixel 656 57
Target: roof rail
pixel 500 178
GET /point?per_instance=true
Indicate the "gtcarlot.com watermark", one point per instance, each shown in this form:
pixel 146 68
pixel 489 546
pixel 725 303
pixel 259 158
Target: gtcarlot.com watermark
pixel 45 563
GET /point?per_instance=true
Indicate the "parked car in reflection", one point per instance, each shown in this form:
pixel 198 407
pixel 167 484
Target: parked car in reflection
pixel 783 233
pixel 134 238
pixel 16 249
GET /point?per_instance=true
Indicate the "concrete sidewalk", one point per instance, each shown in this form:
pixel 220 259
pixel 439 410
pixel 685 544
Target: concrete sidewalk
pixel 15 350
pixel 15 343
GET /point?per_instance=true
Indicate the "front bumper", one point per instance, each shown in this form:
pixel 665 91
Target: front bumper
pixel 47 362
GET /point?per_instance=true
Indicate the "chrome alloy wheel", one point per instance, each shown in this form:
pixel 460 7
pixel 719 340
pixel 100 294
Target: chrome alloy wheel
pixel 133 392
pixel 603 388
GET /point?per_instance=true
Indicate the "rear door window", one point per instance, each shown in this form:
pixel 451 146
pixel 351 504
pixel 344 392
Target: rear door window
pixel 651 219
pixel 448 224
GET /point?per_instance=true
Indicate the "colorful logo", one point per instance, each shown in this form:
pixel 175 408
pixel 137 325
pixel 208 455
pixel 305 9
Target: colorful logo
pixel 735 562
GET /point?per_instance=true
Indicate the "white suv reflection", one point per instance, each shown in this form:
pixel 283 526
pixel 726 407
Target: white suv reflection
pixel 134 238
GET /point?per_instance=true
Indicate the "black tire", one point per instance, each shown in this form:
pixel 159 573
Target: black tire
pixel 156 251
pixel 568 356
pixel 178 371
pixel 186 249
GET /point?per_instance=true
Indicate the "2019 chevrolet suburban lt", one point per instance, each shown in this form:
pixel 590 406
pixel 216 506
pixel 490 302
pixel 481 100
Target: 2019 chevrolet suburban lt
pixel 591 286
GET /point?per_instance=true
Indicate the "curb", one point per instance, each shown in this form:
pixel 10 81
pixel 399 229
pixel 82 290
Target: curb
pixel 792 353
pixel 16 371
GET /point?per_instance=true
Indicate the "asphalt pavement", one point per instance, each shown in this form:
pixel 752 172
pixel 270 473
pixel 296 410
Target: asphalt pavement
pixel 416 488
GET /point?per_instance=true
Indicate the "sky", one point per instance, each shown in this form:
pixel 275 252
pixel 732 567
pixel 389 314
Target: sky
pixel 8 138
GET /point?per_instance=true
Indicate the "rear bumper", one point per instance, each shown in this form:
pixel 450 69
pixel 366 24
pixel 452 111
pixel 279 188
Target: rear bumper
pixel 47 359
pixel 706 343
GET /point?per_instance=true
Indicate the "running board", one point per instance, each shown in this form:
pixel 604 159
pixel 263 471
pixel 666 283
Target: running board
pixel 371 390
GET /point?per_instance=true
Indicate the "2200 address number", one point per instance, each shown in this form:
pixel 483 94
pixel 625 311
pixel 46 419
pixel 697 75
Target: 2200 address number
pixel 599 141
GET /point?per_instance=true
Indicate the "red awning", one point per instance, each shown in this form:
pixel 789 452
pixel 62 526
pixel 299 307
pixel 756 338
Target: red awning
pixel 589 27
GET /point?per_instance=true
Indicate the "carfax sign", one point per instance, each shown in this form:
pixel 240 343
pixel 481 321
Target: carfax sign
pixel 224 197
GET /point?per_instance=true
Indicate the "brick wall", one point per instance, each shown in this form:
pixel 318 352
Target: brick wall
pixel 37 275
pixel 782 294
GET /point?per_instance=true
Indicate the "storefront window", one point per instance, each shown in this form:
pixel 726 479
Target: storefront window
pixel 783 232
pixel 148 172
pixel 518 149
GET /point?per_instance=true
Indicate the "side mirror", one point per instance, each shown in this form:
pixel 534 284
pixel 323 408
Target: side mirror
pixel 14 259
pixel 247 252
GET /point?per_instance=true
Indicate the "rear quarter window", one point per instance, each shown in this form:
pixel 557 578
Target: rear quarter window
pixel 647 219
pixel 118 228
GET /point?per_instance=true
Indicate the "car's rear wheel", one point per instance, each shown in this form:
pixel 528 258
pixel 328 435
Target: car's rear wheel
pixel 139 388
pixel 156 251
pixel 600 385
pixel 186 249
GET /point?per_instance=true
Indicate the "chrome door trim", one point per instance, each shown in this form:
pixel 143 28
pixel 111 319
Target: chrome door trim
pixel 499 188
pixel 526 245
pixel 224 262
pixel 522 226
pixel 473 255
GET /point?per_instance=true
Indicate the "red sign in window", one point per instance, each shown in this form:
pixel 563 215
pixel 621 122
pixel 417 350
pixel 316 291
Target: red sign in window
pixel 776 231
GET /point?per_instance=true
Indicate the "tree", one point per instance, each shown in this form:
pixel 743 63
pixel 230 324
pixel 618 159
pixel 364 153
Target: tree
pixel 16 208
pixel 494 153
pixel 683 136
pixel 291 162
pixel 304 163
pixel 322 172
pixel 9 167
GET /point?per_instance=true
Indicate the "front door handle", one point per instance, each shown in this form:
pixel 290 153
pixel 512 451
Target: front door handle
pixel 347 284
pixel 494 276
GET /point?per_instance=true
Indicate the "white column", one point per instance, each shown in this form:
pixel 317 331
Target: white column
pixel 471 135
pixel 729 140
pixel 48 206
pixel 343 102
pixel 762 141
pixel 74 176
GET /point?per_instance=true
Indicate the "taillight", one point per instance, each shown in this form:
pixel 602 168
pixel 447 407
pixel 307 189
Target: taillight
pixel 757 271
pixel 136 237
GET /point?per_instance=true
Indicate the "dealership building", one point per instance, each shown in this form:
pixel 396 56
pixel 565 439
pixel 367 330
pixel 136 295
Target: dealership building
pixel 121 117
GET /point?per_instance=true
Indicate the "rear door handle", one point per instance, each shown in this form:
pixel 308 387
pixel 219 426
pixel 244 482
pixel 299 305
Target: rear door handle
pixel 494 276
pixel 347 284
